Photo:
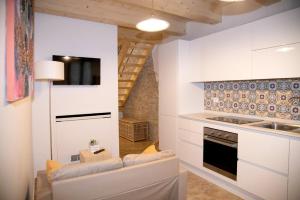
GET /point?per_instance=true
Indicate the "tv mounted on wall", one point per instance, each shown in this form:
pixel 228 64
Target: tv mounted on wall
pixel 79 70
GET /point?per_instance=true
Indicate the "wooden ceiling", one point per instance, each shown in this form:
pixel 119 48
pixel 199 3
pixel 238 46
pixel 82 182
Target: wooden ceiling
pixel 127 13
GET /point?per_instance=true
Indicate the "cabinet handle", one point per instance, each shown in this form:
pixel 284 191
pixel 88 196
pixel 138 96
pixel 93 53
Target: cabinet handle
pixel 220 142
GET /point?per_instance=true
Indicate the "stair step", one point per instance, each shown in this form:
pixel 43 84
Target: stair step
pixel 129 73
pixel 127 81
pixel 139 46
pixel 136 56
pixel 133 65
pixel 124 88
pixel 121 108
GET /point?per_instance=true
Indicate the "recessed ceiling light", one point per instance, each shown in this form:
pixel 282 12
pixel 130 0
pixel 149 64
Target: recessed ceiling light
pixel 152 25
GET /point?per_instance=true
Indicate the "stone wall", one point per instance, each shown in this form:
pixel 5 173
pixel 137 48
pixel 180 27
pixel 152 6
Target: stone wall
pixel 142 103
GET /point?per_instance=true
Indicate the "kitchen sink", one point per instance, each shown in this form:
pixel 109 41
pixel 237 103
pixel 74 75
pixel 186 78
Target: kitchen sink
pixel 279 126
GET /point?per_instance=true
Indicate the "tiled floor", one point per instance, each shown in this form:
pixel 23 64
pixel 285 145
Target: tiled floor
pixel 201 189
pixel 128 147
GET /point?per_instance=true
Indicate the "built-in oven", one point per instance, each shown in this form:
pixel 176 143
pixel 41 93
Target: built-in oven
pixel 220 152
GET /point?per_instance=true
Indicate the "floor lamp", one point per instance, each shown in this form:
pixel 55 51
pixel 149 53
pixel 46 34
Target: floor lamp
pixel 50 71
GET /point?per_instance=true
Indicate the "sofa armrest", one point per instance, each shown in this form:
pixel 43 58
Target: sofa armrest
pixel 182 184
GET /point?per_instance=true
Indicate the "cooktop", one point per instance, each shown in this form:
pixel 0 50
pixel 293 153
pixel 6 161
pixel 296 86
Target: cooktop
pixel 234 120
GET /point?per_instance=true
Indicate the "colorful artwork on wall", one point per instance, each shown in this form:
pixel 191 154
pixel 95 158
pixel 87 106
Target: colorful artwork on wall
pixel 19 49
pixel 265 98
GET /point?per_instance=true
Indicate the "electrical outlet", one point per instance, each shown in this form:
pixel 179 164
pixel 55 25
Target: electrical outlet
pixel 75 157
pixel 215 100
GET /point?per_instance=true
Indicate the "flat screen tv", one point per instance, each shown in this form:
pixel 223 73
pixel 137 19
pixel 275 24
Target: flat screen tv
pixel 79 70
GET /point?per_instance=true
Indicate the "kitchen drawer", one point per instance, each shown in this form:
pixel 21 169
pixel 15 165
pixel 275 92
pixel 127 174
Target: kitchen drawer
pixel 294 170
pixel 265 150
pixel 190 125
pixel 191 137
pixel 190 153
pixel 261 182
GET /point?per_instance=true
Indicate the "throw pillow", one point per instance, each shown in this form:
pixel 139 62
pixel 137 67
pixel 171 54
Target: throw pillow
pixel 134 159
pixel 150 149
pixel 52 166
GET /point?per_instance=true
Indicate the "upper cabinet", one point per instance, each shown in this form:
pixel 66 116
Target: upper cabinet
pixel 277 62
pixel 222 56
pixel 168 64
pixel 277 30
pixel 264 49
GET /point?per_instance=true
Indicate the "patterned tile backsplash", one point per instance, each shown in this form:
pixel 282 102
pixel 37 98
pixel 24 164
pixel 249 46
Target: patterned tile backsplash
pixel 266 98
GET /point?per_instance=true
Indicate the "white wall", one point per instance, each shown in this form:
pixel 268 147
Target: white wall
pixel 65 36
pixel 16 172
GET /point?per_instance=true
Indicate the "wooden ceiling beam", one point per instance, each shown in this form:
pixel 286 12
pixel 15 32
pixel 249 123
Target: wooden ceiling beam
pixel 106 11
pixel 204 11
pixel 135 35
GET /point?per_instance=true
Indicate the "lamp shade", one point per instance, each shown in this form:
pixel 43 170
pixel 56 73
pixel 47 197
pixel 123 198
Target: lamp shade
pixel 49 70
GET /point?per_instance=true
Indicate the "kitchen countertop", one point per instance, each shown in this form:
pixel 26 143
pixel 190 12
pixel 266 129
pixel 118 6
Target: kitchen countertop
pixel 203 117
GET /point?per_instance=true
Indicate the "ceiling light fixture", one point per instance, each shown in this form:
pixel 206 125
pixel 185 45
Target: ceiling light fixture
pixel 153 24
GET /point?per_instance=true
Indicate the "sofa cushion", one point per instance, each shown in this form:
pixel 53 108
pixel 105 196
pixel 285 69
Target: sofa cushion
pixel 134 159
pixel 81 169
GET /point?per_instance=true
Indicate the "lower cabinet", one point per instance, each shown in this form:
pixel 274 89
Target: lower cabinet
pixel 268 165
pixel 264 150
pixel 191 137
pixel 294 171
pixel 190 153
pixel 261 182
pixel 190 142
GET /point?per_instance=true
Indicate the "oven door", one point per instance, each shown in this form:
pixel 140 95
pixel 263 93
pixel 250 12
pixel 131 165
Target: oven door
pixel 220 156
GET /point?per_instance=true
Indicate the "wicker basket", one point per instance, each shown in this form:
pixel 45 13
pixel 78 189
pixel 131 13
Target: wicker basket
pixel 133 130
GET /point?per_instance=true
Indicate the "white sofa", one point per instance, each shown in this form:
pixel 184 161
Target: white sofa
pixel 156 180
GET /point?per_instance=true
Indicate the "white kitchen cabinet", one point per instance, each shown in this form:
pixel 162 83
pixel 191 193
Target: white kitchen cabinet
pixel 264 150
pixel 197 54
pixel 167 57
pixel 261 182
pixel 277 62
pixel 190 125
pixel 176 94
pixel 167 132
pixel 264 49
pixel 191 137
pixel 294 171
pixel 276 30
pixel 222 56
pixel 190 153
